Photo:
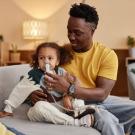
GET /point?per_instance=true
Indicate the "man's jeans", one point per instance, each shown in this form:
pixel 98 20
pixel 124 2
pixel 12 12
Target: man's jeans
pixel 113 112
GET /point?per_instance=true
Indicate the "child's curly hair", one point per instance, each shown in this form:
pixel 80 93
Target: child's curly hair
pixel 63 53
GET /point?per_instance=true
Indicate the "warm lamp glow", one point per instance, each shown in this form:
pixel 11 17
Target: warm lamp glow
pixel 41 9
pixel 34 29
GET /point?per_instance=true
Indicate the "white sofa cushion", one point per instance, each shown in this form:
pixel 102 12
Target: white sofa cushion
pixel 9 76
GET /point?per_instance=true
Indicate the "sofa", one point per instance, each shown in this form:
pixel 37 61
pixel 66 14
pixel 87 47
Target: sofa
pixel 131 80
pixel 9 76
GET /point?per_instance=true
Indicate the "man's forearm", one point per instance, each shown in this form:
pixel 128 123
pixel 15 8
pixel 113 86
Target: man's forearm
pixel 93 94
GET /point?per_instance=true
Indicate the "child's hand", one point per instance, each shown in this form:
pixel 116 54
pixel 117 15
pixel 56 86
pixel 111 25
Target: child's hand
pixel 4 114
pixel 38 95
pixel 67 103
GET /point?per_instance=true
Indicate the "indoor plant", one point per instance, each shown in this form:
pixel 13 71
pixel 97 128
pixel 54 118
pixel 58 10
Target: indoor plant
pixel 131 45
pixel 15 55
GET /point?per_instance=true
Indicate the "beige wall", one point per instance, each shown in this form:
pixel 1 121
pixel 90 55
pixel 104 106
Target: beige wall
pixel 117 21
pixel 11 22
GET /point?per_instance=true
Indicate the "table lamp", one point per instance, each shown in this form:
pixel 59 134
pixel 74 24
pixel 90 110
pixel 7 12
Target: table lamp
pixel 34 30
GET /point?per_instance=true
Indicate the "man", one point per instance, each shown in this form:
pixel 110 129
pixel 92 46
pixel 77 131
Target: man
pixel 96 68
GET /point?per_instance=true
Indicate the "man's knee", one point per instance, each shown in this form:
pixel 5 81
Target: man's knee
pixel 105 118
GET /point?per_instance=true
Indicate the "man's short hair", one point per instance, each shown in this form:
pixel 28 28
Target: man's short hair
pixel 86 12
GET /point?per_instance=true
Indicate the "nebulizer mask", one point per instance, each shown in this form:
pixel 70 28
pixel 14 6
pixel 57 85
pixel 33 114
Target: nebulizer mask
pixel 48 67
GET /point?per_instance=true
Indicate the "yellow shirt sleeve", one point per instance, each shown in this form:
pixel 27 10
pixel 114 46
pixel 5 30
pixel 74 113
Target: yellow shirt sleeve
pixel 109 66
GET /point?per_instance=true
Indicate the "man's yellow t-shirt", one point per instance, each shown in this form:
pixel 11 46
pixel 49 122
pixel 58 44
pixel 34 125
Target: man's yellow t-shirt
pixel 98 61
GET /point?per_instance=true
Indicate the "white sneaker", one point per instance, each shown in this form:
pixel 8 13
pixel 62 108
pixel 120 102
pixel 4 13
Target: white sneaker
pixel 85 121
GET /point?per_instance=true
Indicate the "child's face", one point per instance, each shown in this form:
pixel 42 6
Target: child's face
pixel 47 55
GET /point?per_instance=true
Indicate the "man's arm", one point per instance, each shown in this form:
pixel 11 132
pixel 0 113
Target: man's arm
pixel 99 93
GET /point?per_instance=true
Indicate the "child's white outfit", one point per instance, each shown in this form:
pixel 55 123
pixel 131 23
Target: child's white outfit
pixel 42 110
pixel 20 93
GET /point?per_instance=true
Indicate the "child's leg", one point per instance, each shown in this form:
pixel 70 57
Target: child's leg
pixel 80 107
pixel 77 103
pixel 81 111
pixel 77 106
pixel 22 90
pixel 45 111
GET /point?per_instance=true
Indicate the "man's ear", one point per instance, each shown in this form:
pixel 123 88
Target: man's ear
pixel 92 26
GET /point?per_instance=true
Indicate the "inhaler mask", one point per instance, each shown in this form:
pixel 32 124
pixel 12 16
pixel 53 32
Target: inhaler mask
pixel 48 68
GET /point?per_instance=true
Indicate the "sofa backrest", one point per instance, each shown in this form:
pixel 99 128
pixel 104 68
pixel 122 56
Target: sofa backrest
pixel 131 80
pixel 9 77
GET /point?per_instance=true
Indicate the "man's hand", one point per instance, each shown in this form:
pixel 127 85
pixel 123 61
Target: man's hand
pixel 57 82
pixel 37 95
pixel 72 79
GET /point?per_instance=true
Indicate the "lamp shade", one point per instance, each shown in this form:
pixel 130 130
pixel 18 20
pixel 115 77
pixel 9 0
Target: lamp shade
pixel 34 29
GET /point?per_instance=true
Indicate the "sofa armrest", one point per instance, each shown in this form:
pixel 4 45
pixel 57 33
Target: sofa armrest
pixel 9 77
pixel 131 81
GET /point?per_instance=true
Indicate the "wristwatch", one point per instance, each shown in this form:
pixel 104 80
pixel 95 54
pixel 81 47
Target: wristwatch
pixel 71 89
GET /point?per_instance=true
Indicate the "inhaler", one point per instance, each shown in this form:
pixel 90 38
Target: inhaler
pixel 48 68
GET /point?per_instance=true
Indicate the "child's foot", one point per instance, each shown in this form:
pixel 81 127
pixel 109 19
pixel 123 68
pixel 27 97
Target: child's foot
pixel 4 114
pixel 87 121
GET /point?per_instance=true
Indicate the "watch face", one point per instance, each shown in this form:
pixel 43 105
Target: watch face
pixel 72 89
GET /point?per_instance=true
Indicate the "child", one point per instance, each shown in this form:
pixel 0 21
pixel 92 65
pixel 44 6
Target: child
pixel 53 55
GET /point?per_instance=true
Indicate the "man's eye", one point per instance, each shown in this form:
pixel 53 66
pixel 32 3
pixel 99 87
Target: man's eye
pixel 78 33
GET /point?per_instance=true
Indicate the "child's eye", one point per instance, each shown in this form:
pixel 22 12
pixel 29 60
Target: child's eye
pixel 50 58
pixel 41 58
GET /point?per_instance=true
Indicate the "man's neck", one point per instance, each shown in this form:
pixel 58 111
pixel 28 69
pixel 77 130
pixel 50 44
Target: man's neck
pixel 84 49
